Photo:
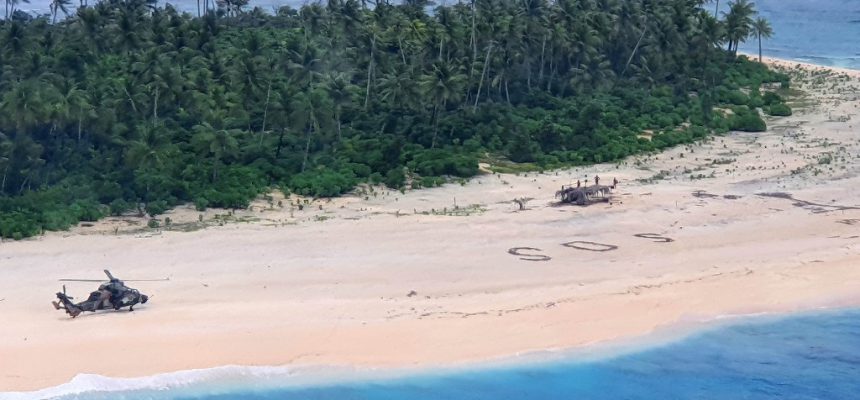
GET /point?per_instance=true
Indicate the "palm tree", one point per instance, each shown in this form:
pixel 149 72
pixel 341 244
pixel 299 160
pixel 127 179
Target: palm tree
pixel 5 159
pixel 441 85
pixel 738 22
pixel 761 29
pixel 23 104
pixel 10 6
pixel 309 107
pixel 216 144
pixel 340 92
pixel 15 38
pixel 59 5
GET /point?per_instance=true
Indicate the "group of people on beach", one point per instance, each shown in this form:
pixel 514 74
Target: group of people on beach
pixel 597 182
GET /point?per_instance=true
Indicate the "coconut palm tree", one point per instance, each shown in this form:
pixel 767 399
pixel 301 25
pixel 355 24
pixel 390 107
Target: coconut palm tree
pixel 761 29
pixel 12 4
pixel 444 83
pixel 309 109
pixel 738 22
pixel 340 92
pixel 216 144
pixel 57 6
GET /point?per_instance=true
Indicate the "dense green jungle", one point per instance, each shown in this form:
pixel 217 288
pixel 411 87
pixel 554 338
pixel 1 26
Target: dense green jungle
pixel 127 106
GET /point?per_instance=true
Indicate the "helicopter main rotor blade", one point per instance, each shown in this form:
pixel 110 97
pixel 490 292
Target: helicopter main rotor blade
pixel 103 280
pixel 146 280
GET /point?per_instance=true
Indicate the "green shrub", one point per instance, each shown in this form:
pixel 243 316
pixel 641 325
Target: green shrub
pixel 747 120
pixel 157 207
pixel 438 162
pixel 522 149
pixel 756 100
pixel 118 206
pixel 201 204
pixel 395 178
pixel 771 98
pixel 322 183
pixel 87 210
pixel 779 110
pixel 736 97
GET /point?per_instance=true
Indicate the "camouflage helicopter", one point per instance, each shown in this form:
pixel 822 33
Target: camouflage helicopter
pixel 112 294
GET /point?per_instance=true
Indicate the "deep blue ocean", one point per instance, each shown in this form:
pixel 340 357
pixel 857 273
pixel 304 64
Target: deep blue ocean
pixel 806 356
pixel 824 32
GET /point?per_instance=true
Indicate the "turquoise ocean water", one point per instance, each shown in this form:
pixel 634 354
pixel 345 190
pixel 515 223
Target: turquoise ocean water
pixel 808 356
pixel 823 32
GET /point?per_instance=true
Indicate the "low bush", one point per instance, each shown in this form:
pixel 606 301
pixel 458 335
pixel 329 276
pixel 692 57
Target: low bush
pixel 779 110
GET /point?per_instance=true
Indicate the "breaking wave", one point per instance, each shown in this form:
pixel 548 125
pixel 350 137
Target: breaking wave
pixel 195 382
pixel 223 380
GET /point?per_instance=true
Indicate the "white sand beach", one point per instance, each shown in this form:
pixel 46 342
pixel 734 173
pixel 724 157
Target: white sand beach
pixel 753 222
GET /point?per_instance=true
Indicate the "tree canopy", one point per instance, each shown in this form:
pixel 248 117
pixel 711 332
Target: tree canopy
pixel 125 105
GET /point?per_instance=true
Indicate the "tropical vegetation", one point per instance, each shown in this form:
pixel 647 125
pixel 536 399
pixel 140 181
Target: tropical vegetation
pixel 126 106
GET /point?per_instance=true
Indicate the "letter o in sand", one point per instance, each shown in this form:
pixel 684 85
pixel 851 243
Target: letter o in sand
pixel 590 246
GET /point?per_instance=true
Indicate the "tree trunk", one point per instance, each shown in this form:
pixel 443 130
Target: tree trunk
pixel 280 143
pixel 435 125
pixel 21 189
pixel 551 75
pixel 441 45
pixel 307 146
pixel 474 38
pixel 542 53
pixel 130 99
pixel 717 10
pixel 759 47
pixel 507 93
pixel 529 73
pixel 402 53
pixel 265 112
pixel 3 184
pixel 483 71
pixel 633 53
pixel 155 107
pixel 339 135
pixel 369 73
pixel 80 122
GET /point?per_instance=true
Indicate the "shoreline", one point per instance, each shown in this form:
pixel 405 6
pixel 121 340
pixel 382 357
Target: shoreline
pixel 804 65
pixel 228 378
pixel 333 285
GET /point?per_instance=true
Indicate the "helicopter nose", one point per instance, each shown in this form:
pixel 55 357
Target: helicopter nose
pixel 144 298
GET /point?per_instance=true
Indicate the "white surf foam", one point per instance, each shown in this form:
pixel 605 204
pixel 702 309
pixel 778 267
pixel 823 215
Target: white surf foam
pixel 213 380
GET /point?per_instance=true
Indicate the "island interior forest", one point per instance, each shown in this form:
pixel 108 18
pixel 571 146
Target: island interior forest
pixel 129 106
